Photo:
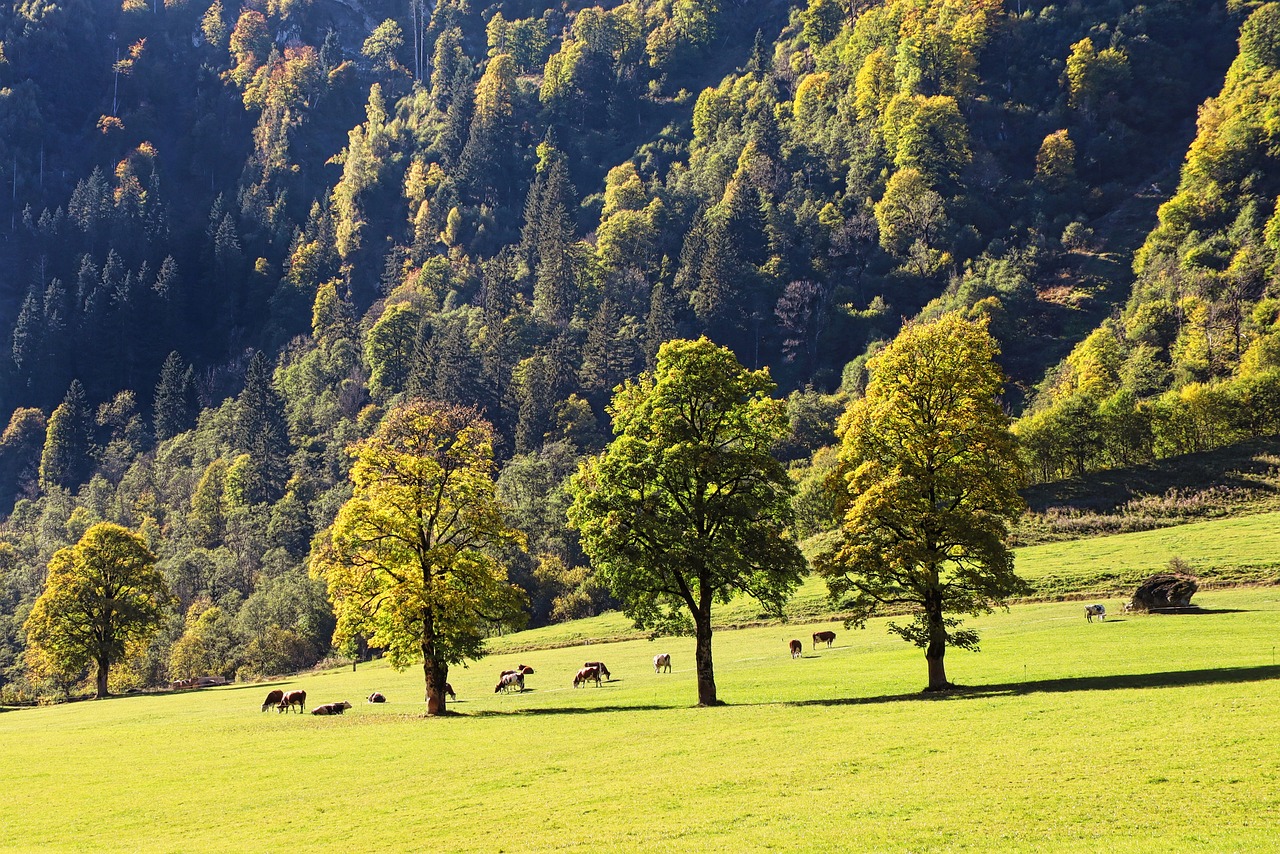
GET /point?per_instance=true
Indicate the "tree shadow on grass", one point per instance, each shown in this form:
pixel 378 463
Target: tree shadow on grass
pixel 1194 610
pixel 569 710
pixel 1167 679
pixel 240 686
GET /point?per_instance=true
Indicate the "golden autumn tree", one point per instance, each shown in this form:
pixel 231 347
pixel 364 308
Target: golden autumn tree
pixel 103 597
pixel 411 560
pixel 931 476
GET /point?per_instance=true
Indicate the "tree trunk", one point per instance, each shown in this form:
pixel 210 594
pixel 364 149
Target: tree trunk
pixel 434 671
pixel 103 667
pixel 937 647
pixel 702 656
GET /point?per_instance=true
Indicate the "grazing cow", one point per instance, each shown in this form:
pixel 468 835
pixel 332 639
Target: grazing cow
pixel 376 697
pixel 585 675
pixel 1099 611
pixel 662 662
pixel 797 649
pixel 448 690
pixel 510 680
pixel 599 666
pixel 273 699
pixel 820 637
pixel 331 708
pixel 293 698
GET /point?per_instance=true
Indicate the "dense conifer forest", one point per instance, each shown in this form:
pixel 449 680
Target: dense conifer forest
pixel 233 235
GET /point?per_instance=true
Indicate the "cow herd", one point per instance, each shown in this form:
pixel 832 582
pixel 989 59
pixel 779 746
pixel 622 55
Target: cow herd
pixel 591 671
pixel 508 680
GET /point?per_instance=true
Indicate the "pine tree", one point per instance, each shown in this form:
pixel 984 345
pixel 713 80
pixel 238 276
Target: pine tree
pixel 28 339
pixel 555 285
pixel 67 457
pixel 660 326
pixel 261 429
pixel 175 403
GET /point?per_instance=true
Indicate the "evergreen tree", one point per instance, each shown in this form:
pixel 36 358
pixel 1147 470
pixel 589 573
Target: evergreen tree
pixel 175 406
pixel 67 458
pixel 555 286
pixel 262 431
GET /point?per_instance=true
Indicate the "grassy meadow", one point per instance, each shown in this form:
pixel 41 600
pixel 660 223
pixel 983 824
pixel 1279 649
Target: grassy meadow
pixel 1244 548
pixel 1137 734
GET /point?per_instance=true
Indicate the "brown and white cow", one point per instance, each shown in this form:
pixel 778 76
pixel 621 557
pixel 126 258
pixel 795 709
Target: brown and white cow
pixel 823 637
pixel 293 698
pixel 797 649
pixel 273 699
pixel 331 708
pixel 377 697
pixel 585 675
pixel 507 681
pixel 662 662
pixel 600 668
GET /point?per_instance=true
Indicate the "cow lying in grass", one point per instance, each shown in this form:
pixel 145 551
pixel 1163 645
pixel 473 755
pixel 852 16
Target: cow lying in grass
pixel 377 697
pixel 331 708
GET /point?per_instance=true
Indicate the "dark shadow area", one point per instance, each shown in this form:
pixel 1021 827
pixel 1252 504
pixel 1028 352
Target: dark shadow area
pixel 1168 679
pixel 233 687
pixel 1195 609
pixel 571 710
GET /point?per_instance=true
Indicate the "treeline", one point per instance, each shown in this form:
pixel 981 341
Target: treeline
pixel 240 232
pixel 1192 362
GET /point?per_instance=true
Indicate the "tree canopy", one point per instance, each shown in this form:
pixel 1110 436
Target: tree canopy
pixel 410 560
pixel 102 599
pixel 930 476
pixel 687 507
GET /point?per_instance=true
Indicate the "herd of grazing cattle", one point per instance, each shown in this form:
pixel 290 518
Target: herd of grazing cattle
pixel 513 680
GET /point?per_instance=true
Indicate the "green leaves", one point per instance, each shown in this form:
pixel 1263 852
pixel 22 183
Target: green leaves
pixel 410 559
pixel 102 596
pixel 932 479
pixel 686 506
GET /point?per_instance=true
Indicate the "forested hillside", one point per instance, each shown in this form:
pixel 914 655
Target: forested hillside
pixel 234 234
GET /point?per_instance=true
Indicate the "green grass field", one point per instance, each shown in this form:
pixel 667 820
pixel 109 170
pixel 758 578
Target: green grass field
pixel 1137 734
pixel 1240 549
pixel 1245 548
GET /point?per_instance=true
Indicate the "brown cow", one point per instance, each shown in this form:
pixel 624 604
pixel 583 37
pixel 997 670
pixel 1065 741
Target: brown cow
pixel 585 675
pixel 331 708
pixel 273 699
pixel 599 665
pixel 293 698
pixel 448 690
pixel 797 649
pixel 377 697
pixel 819 637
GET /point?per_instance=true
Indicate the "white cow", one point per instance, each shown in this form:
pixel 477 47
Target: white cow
pixel 662 661
pixel 1099 611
